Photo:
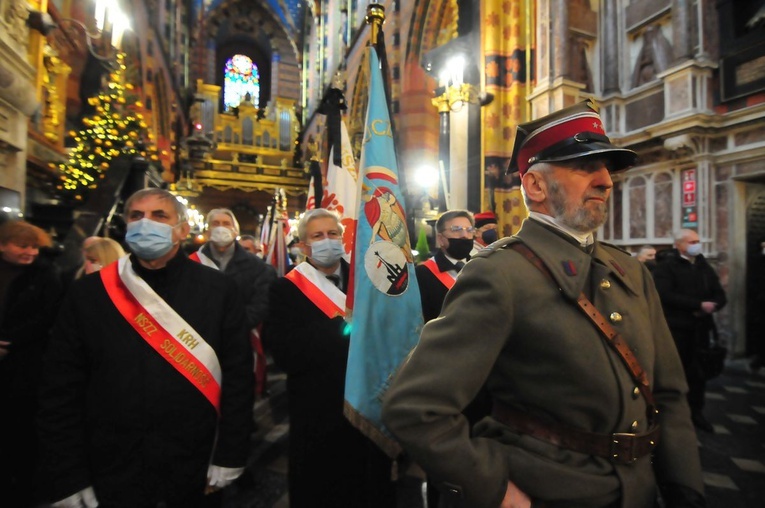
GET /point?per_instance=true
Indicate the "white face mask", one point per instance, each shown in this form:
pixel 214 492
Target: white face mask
pixel 327 252
pixel 694 250
pixel 222 236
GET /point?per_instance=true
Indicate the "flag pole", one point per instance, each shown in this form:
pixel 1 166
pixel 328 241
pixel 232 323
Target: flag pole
pixel 375 18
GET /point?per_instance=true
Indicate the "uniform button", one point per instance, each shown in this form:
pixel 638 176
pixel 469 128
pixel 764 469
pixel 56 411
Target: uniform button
pixel 635 392
pixel 634 426
pixel 615 317
pixel 605 284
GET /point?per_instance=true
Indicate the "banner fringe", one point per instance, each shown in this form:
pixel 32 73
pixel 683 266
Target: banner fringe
pixel 387 444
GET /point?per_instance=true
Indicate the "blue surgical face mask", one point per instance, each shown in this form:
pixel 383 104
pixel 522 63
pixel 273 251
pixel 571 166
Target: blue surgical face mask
pixel 327 252
pixel 149 239
pixel 694 250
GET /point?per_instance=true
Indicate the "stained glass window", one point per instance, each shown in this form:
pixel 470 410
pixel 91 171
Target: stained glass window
pixel 241 78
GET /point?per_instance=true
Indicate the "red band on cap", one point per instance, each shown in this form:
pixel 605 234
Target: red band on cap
pixel 549 135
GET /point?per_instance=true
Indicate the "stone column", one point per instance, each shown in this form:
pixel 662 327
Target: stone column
pixel 559 20
pixel 458 158
pixel 610 44
pixel 682 29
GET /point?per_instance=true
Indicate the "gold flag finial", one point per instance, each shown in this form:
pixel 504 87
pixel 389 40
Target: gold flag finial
pixel 375 18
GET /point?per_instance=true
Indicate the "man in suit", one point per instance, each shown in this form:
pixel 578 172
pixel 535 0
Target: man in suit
pixel 578 418
pixel 454 237
pixel 331 464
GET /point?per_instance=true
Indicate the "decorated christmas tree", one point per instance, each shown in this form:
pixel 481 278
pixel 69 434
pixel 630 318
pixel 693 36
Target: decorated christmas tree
pixel 117 128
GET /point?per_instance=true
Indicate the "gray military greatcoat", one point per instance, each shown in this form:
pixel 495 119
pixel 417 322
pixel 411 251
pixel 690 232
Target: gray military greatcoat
pixel 506 325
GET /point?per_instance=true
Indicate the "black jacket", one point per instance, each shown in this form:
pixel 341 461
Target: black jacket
pixel 313 350
pixel 432 290
pixel 31 303
pixel 253 277
pixel 682 286
pixel 117 416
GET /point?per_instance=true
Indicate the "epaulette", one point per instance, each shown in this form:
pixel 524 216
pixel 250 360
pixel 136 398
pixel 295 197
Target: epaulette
pixel 500 244
pixel 615 247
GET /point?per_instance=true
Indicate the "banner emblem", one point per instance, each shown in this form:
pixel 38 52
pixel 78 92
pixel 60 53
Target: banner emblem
pixel 386 267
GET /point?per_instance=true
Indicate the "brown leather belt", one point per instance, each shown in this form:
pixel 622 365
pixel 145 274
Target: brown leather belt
pixel 621 448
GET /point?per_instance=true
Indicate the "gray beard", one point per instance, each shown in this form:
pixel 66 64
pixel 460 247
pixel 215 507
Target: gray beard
pixel 575 217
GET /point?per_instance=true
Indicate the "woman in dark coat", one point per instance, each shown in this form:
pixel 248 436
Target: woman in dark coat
pixel 29 295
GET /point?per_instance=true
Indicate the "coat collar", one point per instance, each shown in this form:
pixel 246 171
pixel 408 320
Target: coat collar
pixel 568 263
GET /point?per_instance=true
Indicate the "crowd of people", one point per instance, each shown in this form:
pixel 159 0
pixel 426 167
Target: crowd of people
pixel 131 382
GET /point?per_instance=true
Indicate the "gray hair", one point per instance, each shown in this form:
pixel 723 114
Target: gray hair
pixel 180 208
pixel 542 168
pixel 680 234
pixel 225 211
pixel 316 213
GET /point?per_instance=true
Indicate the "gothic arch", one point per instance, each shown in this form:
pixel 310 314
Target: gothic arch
pixel 248 24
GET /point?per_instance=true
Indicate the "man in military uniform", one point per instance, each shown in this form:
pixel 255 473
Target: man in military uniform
pixel 587 412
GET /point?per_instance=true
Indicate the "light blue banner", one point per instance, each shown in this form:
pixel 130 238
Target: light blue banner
pixel 387 312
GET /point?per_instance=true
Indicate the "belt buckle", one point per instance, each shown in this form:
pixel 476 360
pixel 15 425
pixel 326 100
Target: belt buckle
pixel 623 447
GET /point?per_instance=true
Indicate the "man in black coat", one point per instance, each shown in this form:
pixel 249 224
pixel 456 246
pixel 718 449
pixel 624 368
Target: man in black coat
pixel 690 293
pixel 253 276
pixel 454 237
pixel 331 464
pixel 147 389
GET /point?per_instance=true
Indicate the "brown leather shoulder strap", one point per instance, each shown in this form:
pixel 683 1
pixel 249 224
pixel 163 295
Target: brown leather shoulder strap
pixel 611 336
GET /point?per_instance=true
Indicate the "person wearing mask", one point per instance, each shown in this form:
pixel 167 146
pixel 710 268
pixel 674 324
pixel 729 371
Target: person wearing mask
pixel 295 253
pixel 454 237
pixel 647 256
pixel 147 392
pixel 587 411
pixel 690 294
pixel 99 252
pixel 251 245
pixel 251 274
pixel 486 231
pixel 30 291
pixel 308 337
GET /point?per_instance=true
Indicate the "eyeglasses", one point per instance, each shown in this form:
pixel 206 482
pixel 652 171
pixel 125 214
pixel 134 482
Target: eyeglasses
pixel 459 229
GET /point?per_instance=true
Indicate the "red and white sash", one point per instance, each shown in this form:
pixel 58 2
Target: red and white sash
pixel 445 278
pixel 200 257
pixel 320 290
pixel 163 329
